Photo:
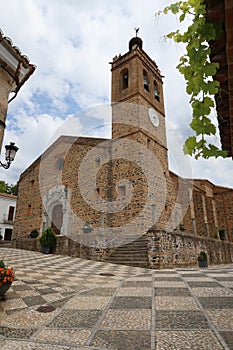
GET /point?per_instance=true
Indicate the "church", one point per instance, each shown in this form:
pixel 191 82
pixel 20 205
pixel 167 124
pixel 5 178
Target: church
pixel 138 212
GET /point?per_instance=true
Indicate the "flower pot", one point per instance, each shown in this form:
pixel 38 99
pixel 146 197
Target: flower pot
pixel 34 234
pixel 202 263
pixel 45 250
pixel 87 229
pixel 3 289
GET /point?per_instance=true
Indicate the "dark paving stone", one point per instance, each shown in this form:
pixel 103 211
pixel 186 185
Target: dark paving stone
pixel 228 337
pixel 21 287
pixel 137 284
pixel 216 302
pixel 226 270
pixel 99 292
pixel 76 319
pixel 45 291
pixel 37 300
pixel 180 320
pixel 13 295
pixel 203 284
pixel 223 278
pixel 124 340
pixel 131 303
pixel 198 275
pixel 176 292
pixel 163 272
pixel 52 284
pixel 175 279
pixel 31 281
pixel 21 333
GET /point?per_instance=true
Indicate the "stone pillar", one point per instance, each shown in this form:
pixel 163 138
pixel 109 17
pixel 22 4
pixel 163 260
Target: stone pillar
pixel 207 229
pixel 194 227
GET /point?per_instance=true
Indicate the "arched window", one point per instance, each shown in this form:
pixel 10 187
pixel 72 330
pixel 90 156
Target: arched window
pixel 125 78
pixel 156 92
pixel 146 80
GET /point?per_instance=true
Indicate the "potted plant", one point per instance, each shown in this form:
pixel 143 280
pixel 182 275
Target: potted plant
pixel 202 259
pixel 87 228
pixel 48 240
pixel 34 233
pixel 6 278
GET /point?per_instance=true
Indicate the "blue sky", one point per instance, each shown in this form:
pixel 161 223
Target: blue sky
pixel 72 43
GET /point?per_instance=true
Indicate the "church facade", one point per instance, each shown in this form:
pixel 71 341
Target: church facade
pixel 122 187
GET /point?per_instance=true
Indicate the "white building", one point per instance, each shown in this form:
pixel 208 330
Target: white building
pixel 7 215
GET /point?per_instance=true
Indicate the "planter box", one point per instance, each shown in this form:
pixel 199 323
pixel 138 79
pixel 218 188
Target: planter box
pixel 202 263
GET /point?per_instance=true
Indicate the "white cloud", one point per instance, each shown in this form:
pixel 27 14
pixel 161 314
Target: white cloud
pixel 72 42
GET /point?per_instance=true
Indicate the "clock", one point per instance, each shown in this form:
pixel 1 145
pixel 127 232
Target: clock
pixel 154 117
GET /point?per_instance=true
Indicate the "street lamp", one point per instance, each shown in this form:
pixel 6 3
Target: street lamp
pixel 11 150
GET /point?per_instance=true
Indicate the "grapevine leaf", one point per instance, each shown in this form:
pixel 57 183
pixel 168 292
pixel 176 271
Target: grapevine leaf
pixel 198 72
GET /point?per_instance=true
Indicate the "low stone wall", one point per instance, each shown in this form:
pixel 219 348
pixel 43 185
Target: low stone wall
pixel 28 244
pixel 176 249
pixel 66 246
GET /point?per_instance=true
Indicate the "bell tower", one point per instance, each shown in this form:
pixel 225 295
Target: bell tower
pixel 136 78
pixel 137 83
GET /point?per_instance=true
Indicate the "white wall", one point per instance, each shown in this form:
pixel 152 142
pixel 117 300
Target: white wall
pixel 6 201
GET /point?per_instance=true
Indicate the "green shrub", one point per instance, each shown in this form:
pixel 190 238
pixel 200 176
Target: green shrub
pixel 48 238
pixel 34 233
pixel 202 256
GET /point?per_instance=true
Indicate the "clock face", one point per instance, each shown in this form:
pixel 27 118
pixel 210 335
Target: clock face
pixel 154 117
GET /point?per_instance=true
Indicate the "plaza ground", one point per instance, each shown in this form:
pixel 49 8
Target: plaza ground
pixel 60 302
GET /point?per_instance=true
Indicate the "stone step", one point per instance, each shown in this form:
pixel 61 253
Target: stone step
pixel 131 253
pixel 127 258
pixel 131 250
pixel 128 263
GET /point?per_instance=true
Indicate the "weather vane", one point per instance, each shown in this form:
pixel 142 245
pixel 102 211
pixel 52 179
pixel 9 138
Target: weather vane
pixel 136 30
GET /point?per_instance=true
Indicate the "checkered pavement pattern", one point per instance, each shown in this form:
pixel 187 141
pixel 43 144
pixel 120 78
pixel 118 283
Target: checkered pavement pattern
pixel 60 302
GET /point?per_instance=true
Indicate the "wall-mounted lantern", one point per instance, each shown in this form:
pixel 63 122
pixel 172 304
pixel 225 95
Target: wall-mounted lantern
pixel 11 150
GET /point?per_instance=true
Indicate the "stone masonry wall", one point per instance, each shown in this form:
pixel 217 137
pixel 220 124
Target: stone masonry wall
pixel 224 198
pixel 66 246
pixel 169 250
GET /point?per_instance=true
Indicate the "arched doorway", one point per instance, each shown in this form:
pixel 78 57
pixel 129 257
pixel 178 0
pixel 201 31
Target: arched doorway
pixel 57 218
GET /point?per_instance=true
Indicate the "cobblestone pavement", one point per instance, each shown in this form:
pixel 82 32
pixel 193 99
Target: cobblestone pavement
pixel 59 302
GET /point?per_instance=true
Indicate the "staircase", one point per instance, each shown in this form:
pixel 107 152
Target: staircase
pixel 133 253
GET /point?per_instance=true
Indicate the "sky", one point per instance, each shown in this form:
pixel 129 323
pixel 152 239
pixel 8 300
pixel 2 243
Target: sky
pixel 72 42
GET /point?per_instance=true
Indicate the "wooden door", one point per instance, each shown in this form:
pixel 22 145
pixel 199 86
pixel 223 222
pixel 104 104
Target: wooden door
pixel 57 219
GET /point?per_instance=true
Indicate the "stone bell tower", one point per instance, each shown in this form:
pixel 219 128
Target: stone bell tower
pixel 137 99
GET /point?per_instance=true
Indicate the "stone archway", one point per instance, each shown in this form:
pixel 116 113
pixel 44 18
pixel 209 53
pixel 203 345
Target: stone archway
pixel 57 218
pixel 57 210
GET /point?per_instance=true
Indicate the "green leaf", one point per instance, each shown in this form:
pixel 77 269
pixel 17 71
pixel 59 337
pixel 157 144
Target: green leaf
pixel 199 73
pixel 190 145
